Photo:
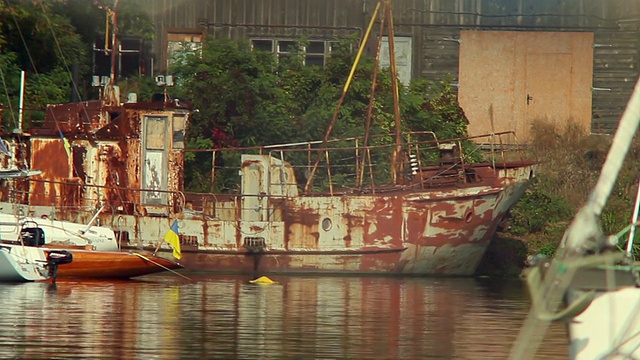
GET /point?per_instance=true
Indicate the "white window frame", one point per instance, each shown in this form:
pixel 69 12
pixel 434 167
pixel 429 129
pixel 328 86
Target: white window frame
pixel 277 50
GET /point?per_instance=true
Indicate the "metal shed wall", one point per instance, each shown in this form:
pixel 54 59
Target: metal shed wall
pixel 434 25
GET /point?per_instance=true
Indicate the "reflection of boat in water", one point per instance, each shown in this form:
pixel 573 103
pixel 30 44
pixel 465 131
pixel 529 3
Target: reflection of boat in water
pixel 596 280
pixel 300 317
pixel 401 203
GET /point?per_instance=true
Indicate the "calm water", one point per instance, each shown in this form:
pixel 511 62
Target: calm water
pixel 225 317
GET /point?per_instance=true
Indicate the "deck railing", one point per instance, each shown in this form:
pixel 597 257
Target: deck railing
pixel 345 166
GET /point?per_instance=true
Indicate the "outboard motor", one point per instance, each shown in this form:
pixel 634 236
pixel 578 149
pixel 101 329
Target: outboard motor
pixel 55 258
pixel 31 234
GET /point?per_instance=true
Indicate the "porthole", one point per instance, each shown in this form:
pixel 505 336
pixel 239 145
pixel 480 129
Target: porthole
pixel 326 224
pixel 468 216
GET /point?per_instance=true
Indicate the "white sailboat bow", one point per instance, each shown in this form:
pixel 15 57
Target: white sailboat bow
pixel 595 280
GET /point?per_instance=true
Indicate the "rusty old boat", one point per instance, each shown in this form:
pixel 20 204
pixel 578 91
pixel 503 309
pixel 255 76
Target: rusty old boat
pixel 411 205
pixel 437 218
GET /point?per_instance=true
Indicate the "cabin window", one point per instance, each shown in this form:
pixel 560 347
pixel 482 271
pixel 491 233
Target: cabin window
pixel 315 52
pixel 178 131
pixel 155 135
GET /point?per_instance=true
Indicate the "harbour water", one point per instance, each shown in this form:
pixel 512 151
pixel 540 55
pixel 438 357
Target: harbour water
pixel 299 317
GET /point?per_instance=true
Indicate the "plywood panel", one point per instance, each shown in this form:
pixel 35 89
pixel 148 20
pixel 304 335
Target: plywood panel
pixel 487 77
pixel 508 80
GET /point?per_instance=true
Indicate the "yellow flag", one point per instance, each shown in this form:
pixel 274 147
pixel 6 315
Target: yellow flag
pixel 65 143
pixel 173 239
pixel 67 146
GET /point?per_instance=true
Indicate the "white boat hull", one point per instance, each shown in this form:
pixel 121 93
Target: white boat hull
pixel 22 264
pixel 56 231
pixel 609 328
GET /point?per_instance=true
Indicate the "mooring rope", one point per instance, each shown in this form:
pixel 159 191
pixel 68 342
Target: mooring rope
pixel 160 265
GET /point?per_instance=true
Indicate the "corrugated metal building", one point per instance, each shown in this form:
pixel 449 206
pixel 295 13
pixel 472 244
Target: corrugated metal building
pixel 514 60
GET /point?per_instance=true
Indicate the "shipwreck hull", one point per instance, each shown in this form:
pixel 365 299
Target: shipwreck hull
pixel 429 232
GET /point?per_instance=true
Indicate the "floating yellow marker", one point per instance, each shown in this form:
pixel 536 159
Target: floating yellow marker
pixel 262 280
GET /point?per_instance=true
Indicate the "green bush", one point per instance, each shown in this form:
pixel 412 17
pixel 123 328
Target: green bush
pixel 538 210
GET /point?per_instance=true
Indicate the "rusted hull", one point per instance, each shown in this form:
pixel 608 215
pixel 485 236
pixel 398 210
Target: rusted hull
pixel 372 209
pixel 431 261
pixel 428 233
pixel 91 264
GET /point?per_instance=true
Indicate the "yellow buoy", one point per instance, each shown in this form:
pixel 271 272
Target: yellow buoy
pixel 262 280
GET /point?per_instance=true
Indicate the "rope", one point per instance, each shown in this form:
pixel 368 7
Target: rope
pixel 160 265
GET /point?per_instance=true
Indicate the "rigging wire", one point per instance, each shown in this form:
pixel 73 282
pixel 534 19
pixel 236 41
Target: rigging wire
pixel 35 69
pixel 6 90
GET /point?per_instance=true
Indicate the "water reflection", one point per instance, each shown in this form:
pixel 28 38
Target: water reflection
pixel 214 317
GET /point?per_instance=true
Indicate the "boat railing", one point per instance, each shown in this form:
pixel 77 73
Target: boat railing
pixel 347 166
pixel 344 166
pixel 74 197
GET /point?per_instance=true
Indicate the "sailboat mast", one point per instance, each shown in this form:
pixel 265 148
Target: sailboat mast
pixel 395 167
pixel 114 40
pixel 21 105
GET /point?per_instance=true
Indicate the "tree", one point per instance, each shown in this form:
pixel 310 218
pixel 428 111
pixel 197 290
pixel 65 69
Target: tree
pixel 248 98
pixel 45 45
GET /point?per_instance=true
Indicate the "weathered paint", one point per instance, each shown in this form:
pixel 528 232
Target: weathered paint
pixel 438 222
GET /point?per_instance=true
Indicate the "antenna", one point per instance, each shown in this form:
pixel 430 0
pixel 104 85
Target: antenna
pixel 111 27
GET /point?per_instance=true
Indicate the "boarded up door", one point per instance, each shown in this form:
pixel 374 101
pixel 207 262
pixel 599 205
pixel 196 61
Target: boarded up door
pixel 509 80
pixel 402 46
pixel 154 168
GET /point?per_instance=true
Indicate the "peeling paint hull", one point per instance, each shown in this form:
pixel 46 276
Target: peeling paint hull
pixel 424 233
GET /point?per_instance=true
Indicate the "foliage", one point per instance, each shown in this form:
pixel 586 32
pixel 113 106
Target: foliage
pixel 432 106
pixel 248 98
pixel 570 163
pixel 49 40
pixel 42 43
pixel 538 209
pixel 144 87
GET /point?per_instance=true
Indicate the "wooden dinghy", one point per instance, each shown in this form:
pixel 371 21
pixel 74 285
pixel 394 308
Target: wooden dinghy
pixel 95 264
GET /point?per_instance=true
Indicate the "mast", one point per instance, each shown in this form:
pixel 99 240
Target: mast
pixel 327 134
pixel 112 14
pixel 395 163
pixel 109 93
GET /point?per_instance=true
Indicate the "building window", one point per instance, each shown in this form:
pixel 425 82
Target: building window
pixel 315 52
pixel 181 43
pixel 403 56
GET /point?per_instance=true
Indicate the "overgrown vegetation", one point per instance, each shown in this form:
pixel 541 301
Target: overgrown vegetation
pixel 570 163
pixel 51 40
pixel 248 98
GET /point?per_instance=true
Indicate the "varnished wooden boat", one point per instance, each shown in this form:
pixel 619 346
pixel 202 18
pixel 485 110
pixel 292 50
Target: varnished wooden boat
pixel 94 249
pixel 95 264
